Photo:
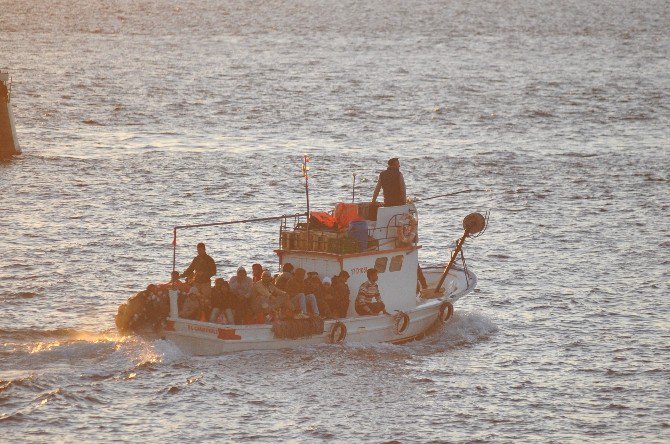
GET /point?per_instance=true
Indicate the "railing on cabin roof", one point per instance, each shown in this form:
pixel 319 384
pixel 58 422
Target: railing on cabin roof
pixel 300 238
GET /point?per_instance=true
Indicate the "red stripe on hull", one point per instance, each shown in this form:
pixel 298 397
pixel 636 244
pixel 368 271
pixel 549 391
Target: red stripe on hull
pixel 228 333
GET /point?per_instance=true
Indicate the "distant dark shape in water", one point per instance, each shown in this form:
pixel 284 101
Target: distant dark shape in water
pixel 9 146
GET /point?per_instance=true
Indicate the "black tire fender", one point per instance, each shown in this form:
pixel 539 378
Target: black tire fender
pixel 446 312
pixel 401 322
pixel 338 332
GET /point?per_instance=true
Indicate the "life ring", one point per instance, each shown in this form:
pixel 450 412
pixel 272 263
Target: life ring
pixel 408 234
pixel 337 333
pixel 446 312
pixel 401 322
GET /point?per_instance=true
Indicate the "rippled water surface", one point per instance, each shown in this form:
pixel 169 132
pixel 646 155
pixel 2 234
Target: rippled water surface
pixel 138 116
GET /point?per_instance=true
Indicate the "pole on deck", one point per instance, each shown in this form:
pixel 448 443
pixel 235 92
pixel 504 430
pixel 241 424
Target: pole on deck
pixel 472 224
pixel 174 249
pixel 305 168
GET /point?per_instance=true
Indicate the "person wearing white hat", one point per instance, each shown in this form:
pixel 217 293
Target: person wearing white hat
pixel 325 299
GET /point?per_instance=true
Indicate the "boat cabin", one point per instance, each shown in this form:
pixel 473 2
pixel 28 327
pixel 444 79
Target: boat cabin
pixel 362 236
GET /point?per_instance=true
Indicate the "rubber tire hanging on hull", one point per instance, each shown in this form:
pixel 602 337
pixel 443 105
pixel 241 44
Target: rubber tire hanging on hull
pixel 446 312
pixel 401 322
pixel 338 332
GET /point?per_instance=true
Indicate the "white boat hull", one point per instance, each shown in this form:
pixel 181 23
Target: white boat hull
pixel 205 338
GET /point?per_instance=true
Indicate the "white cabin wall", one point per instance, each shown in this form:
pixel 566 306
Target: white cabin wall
pixel 384 233
pixel 397 288
pixel 323 265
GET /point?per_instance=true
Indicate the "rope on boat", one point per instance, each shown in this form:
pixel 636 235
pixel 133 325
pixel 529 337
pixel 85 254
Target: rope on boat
pixel 453 194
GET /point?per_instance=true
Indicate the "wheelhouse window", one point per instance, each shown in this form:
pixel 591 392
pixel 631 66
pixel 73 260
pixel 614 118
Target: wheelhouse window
pixel 396 262
pixel 380 264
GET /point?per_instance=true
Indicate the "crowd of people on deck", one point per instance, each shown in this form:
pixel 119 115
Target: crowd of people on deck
pixel 257 299
pixel 263 297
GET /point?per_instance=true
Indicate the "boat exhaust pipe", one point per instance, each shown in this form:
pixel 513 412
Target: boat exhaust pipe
pixel 474 225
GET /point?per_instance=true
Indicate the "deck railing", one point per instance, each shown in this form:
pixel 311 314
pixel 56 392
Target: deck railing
pixel 282 218
pixel 302 237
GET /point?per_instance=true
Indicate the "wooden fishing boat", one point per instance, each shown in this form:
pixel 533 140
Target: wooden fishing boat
pixel 363 236
pixel 391 248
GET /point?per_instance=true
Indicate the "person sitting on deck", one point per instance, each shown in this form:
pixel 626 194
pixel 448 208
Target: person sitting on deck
pixel 267 299
pixel 223 303
pixel 312 283
pixel 157 305
pixel 295 288
pixel 326 298
pixel 369 301
pixel 341 294
pixel 178 285
pixel 282 279
pixel 240 285
pixel 201 270
pixel 194 306
pixel 256 272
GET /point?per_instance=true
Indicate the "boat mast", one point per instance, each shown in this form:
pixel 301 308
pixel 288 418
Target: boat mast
pixel 305 168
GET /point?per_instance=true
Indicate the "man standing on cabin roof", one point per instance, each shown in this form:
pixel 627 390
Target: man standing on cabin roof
pixel 393 184
pixel 201 270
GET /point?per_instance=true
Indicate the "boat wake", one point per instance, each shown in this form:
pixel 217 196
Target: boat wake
pixel 41 367
pixel 466 328
pixel 42 350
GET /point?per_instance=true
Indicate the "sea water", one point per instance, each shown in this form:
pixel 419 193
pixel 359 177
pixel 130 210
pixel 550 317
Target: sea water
pixel 138 116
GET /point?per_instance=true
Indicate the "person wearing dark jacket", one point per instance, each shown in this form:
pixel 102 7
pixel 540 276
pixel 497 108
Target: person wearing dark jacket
pixel 341 294
pixel 201 270
pixel 223 301
pixel 282 279
pixel 393 184
pixel 295 288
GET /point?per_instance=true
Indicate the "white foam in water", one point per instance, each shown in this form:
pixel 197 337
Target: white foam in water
pixel 468 328
pixel 167 351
